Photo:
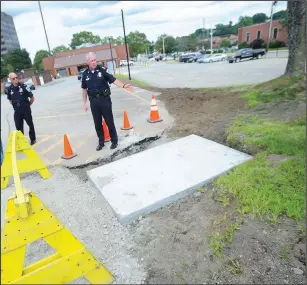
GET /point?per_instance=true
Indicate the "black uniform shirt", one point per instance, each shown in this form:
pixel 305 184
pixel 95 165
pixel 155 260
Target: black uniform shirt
pixel 97 79
pixel 19 93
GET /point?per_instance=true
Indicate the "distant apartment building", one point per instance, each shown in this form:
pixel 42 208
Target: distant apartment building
pixel 9 39
pixel 261 31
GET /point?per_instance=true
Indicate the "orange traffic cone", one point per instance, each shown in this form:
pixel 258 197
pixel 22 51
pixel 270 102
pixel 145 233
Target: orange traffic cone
pixel 106 133
pixel 127 125
pixel 154 113
pixel 68 154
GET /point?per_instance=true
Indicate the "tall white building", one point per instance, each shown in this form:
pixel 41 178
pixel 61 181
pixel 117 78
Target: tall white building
pixel 9 39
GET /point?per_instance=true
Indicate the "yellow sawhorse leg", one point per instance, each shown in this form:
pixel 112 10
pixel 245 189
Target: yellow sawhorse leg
pixel 71 260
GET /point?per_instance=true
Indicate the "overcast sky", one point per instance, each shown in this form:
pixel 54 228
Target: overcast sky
pixel 64 18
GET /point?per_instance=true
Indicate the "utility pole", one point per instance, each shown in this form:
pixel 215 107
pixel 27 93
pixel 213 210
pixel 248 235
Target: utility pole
pixel 111 55
pixel 39 4
pixel 211 34
pixel 204 30
pixel 163 44
pixel 270 26
pixel 126 44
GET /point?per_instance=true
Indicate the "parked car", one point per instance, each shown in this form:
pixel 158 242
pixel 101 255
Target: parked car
pixel 80 74
pixel 202 59
pixel 28 83
pixel 196 57
pixel 168 58
pixel 215 58
pixel 246 53
pixel 125 63
pixel 185 57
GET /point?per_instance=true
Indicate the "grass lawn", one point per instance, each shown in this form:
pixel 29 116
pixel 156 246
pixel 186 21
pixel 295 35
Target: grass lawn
pixel 262 185
pixel 133 81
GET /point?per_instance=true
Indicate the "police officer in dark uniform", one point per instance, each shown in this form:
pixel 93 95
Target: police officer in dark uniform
pixel 18 95
pixel 95 85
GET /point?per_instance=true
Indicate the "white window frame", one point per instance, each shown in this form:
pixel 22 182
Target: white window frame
pixel 276 34
pixel 259 35
pixel 249 35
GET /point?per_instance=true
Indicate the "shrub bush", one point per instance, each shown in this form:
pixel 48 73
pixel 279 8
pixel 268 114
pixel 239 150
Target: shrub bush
pixel 277 44
pixel 243 45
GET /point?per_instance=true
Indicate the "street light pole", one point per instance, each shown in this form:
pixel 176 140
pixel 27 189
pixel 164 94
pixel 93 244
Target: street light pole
pixel 112 55
pixel 126 44
pixel 270 26
pixel 40 9
pixel 163 47
pixel 211 34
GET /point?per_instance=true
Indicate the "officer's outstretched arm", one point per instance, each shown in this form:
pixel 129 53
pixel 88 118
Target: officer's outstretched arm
pixel 32 99
pixel 128 87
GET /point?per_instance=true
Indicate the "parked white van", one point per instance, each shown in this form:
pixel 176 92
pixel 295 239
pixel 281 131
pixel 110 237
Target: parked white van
pixel 125 63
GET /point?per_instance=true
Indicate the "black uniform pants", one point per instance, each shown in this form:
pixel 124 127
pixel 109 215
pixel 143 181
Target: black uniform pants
pixel 23 112
pixel 102 107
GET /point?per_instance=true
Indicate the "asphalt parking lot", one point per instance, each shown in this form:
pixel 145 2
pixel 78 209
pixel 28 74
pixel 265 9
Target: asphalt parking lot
pixel 195 75
pixel 58 110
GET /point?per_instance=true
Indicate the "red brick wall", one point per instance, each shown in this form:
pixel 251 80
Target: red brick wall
pixel 120 50
pixel 282 34
pixel 48 63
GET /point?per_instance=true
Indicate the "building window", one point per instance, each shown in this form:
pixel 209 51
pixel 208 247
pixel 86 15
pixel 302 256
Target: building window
pixel 247 37
pixel 275 33
pixel 258 35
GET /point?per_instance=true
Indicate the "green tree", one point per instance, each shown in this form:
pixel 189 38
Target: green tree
pixel 59 49
pixel 182 43
pixel 84 37
pixel 38 59
pixel 192 42
pixel 151 47
pixel 201 33
pixel 18 59
pixel 259 18
pixel 283 14
pixel 225 43
pixel 170 44
pixel 297 37
pixel 244 21
pixel 137 43
pixel 119 41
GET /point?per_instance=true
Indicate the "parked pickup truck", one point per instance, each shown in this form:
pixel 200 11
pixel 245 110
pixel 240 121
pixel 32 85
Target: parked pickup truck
pixel 245 53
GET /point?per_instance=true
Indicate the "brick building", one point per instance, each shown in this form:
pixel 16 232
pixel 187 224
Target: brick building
pixel 261 31
pixel 70 62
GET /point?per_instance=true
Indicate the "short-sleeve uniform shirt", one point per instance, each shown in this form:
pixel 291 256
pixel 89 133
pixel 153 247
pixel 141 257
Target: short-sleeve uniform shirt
pixel 97 79
pixel 19 93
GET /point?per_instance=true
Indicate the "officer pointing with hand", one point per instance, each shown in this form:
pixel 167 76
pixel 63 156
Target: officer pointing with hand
pixel 95 85
pixel 18 95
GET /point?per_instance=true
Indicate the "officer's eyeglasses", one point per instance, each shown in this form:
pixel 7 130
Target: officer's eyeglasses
pixel 14 78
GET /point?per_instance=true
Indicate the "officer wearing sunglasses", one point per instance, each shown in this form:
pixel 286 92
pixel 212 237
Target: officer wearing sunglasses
pixel 21 98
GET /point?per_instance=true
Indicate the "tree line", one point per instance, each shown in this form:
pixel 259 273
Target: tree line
pixel 138 42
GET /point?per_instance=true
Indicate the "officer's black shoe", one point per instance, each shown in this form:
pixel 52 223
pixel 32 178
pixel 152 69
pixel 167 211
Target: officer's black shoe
pixel 99 147
pixel 113 145
pixel 33 142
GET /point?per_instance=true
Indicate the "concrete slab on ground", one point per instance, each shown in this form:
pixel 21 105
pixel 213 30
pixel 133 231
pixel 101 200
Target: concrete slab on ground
pixel 142 183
